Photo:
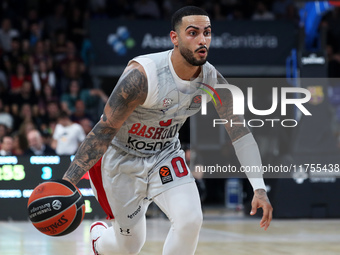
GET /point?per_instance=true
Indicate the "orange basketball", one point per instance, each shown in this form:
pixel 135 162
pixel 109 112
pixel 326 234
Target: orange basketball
pixel 56 207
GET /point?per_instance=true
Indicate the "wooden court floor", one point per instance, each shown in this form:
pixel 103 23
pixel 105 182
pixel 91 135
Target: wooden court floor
pixel 221 234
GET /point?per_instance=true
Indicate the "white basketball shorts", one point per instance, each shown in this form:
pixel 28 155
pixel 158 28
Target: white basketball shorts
pixel 125 184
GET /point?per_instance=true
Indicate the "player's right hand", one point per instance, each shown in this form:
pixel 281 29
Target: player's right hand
pixel 260 200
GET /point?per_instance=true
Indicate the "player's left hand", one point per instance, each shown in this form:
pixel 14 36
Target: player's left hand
pixel 260 200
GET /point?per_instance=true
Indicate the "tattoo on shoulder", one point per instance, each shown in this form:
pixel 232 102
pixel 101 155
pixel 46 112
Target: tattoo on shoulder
pixel 132 86
pixel 225 111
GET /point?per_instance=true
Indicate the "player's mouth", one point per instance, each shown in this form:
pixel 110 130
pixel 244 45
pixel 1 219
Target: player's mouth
pixel 202 51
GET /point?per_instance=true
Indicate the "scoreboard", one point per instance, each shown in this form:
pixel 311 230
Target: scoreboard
pixel 19 175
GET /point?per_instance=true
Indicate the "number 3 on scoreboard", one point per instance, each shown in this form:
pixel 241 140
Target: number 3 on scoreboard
pixel 179 166
pixel 46 173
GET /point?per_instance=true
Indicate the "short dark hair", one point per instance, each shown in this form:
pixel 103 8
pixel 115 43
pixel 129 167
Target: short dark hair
pixel 16 39
pixel 63 115
pixel 176 19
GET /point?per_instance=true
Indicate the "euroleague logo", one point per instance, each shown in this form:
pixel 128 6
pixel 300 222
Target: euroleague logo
pixel 165 174
pixel 164 171
pixel 197 99
pixel 195 103
pixel 56 205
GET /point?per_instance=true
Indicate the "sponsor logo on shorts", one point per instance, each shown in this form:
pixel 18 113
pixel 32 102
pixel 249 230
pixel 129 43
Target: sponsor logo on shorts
pixel 125 232
pixel 165 174
pixel 134 213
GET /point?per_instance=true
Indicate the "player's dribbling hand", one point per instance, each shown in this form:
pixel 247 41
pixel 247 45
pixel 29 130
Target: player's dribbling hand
pixel 260 200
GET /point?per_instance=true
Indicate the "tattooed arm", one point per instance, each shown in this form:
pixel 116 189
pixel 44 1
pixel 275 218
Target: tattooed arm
pixel 225 111
pixel 130 91
pixel 246 150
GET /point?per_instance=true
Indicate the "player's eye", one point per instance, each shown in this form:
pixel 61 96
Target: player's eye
pixel 207 33
pixel 193 33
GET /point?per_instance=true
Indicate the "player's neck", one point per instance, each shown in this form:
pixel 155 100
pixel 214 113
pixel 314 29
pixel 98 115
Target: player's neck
pixel 183 69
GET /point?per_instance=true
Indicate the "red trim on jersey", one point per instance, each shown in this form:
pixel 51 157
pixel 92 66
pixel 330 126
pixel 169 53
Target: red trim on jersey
pixel 97 180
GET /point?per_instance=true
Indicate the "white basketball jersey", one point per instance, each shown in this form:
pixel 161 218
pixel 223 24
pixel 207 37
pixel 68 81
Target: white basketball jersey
pixel 170 101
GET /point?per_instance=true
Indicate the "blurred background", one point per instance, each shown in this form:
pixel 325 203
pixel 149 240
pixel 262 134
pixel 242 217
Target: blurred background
pixel 60 60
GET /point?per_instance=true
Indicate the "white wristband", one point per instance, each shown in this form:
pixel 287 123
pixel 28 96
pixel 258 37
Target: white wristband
pixel 248 154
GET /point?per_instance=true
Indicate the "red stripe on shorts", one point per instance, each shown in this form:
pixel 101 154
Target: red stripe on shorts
pixel 97 180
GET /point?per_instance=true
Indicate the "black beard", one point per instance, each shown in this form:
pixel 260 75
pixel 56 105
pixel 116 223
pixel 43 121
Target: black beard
pixel 189 57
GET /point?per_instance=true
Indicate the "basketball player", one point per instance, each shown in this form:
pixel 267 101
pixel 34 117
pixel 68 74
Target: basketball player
pixel 133 153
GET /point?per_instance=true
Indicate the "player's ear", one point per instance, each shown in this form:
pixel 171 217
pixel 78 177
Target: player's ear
pixel 174 37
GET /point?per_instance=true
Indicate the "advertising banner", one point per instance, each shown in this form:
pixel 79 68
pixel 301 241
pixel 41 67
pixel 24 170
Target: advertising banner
pixel 244 44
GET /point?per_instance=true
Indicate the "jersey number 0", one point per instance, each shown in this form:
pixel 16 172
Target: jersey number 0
pixel 179 166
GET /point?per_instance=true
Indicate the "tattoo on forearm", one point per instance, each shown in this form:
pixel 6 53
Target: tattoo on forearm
pixel 130 91
pixel 261 194
pixel 104 117
pixel 225 111
pixel 74 173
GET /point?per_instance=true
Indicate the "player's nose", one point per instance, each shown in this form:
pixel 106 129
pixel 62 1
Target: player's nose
pixel 202 39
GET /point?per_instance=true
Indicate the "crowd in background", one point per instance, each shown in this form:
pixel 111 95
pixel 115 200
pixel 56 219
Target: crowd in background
pixel 44 68
pixel 47 98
